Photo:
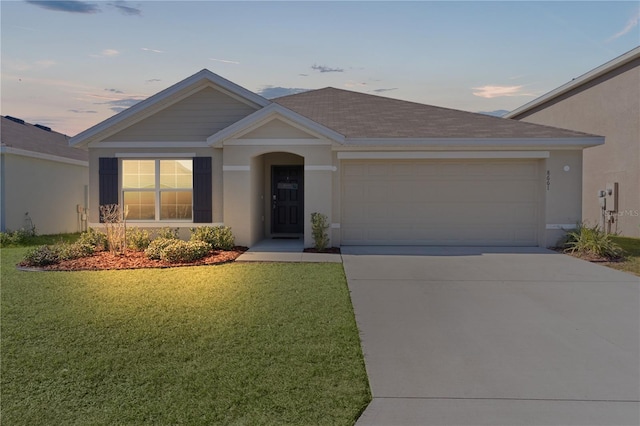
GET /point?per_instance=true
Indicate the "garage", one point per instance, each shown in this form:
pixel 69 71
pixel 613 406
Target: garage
pixel 441 202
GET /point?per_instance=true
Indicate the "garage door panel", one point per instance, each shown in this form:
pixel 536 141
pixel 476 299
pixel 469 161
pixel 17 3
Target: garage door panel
pixel 475 202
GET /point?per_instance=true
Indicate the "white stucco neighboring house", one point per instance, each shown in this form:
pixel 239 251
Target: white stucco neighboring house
pixel 42 179
pixel 206 151
pixel 604 101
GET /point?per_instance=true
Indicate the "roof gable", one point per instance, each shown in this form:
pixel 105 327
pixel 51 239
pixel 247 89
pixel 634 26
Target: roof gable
pixel 363 116
pixel 267 114
pixel 164 99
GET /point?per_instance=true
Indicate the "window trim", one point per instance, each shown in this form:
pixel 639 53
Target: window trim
pixel 157 190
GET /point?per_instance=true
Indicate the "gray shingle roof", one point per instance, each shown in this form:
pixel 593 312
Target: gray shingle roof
pixel 28 137
pixel 358 115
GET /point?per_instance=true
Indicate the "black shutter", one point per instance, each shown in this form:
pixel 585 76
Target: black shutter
pixel 108 170
pixel 202 211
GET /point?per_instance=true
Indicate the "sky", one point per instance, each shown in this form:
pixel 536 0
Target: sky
pixel 72 64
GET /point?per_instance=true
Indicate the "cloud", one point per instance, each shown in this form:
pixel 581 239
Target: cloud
pixel 324 68
pixel 71 6
pixel 354 84
pixel 126 10
pixel 499 91
pixel 81 111
pixel 121 104
pixel 106 53
pixel 146 49
pixel 225 61
pixel 45 63
pixel 385 90
pixel 303 75
pixel 152 80
pixel 113 91
pixel 631 24
pixel 271 92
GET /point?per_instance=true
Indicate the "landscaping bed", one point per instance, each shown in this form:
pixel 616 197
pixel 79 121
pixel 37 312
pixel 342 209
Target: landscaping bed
pixel 132 259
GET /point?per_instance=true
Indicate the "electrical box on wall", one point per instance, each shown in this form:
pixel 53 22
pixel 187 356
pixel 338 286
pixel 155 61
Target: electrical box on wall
pixel 611 196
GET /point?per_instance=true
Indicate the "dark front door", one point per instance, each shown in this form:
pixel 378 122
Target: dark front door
pixel 287 199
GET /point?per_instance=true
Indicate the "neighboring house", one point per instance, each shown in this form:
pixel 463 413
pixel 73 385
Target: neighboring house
pixel 604 101
pixel 384 171
pixel 42 179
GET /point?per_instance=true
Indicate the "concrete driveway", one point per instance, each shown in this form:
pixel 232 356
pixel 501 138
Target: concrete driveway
pixel 473 336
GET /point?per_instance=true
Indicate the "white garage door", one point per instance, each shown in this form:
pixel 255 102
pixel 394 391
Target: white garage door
pixel 440 202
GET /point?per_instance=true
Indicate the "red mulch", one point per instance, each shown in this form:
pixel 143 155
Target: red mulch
pixel 137 260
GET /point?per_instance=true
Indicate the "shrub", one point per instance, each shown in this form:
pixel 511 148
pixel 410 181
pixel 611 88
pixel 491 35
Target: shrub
pixel 41 256
pixel 592 241
pixel 154 251
pixel 168 233
pixel 93 238
pixel 76 250
pixel 185 251
pixel 16 238
pixel 218 237
pixel 138 239
pixel 112 217
pixel 319 228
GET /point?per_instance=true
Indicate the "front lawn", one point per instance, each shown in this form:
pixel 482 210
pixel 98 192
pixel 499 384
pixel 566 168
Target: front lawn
pixel 631 247
pixel 230 344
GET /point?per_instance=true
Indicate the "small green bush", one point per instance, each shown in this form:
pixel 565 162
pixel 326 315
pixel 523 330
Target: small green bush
pixel 138 239
pixel 41 256
pixel 185 251
pixel 592 241
pixel 93 238
pixel 319 227
pixel 76 250
pixel 15 238
pixel 218 237
pixel 168 233
pixel 154 251
pixel 51 254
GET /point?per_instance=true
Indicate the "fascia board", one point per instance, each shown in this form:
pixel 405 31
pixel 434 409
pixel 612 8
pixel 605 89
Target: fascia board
pixel 577 82
pixel 41 156
pixel 272 110
pixel 189 85
pixel 515 143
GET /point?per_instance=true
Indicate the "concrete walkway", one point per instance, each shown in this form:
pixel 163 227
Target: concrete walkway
pixel 473 336
pixel 285 250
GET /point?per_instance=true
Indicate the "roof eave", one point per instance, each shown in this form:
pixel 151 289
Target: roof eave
pixel 576 82
pixel 477 143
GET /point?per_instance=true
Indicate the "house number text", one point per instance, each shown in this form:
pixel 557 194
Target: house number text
pixel 548 179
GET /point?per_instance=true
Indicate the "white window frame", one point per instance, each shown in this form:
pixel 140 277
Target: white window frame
pixel 157 190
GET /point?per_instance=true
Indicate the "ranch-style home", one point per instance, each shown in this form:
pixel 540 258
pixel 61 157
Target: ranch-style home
pixel 384 171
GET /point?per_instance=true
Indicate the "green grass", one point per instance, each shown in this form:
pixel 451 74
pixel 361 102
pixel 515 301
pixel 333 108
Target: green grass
pixel 236 344
pixel 631 247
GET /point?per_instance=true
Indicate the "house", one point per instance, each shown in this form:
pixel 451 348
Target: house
pixel 384 171
pixel 43 181
pixel 604 101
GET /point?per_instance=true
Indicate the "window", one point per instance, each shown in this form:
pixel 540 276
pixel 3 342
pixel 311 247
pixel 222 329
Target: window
pixel 158 189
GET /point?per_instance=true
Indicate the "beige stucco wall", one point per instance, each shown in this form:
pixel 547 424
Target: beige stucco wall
pixel 563 194
pixel 608 106
pixel 247 179
pixel 48 190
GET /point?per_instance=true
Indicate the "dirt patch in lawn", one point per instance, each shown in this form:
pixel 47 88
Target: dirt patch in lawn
pixel 134 260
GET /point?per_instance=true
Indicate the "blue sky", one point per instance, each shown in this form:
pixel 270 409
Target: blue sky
pixel 72 64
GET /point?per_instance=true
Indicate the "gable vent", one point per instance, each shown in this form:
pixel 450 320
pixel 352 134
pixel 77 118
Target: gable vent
pixel 45 128
pixel 17 120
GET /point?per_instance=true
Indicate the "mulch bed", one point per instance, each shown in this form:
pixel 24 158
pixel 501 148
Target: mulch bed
pixel 330 250
pixel 134 260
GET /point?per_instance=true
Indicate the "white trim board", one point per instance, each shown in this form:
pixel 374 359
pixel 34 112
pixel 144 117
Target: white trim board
pixel 422 155
pixel 41 156
pixel 150 145
pixel 153 155
pixel 236 168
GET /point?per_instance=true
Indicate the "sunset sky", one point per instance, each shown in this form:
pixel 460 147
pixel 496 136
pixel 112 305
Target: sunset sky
pixel 72 64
